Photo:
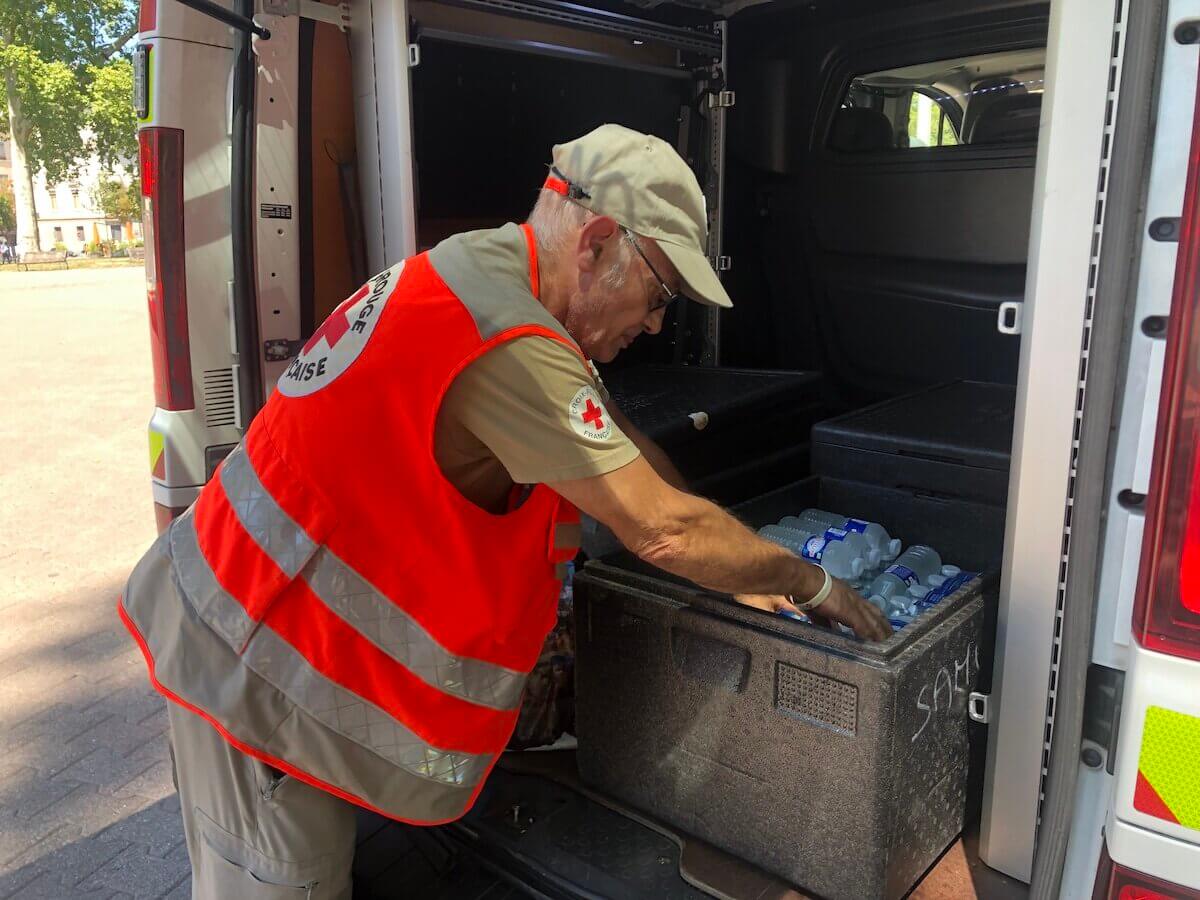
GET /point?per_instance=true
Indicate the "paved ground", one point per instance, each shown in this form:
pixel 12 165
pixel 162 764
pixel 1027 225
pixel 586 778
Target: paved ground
pixel 86 803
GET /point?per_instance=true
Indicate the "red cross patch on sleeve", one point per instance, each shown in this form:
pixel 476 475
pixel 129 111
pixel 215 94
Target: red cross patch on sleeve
pixel 588 416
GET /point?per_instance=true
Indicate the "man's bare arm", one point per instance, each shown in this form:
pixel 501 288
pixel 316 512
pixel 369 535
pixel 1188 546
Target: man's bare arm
pixel 694 538
pixel 655 455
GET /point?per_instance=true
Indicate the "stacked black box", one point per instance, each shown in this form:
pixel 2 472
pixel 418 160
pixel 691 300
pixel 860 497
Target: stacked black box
pixel 732 433
pixel 946 447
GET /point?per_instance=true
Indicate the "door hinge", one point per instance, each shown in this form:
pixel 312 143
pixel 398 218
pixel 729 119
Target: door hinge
pixel 281 349
pixel 310 9
pixel 979 707
pixel 1102 716
pixel 721 263
pixel 721 99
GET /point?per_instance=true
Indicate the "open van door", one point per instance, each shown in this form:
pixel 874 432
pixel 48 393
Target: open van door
pixel 1153 825
pixel 1118 811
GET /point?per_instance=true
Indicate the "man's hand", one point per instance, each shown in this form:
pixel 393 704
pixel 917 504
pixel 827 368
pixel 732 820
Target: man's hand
pixel 842 605
pixel 691 537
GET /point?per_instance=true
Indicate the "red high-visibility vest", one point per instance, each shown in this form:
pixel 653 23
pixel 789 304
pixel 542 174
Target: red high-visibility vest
pixel 332 604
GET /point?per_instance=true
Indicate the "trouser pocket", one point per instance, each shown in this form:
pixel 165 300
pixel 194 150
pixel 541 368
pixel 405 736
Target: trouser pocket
pixel 227 867
pixel 220 877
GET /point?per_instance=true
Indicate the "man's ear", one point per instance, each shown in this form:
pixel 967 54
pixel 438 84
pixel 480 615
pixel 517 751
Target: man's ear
pixel 597 233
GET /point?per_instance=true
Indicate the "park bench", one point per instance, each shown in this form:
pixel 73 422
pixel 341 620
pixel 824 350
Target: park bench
pixel 44 258
pixel 137 252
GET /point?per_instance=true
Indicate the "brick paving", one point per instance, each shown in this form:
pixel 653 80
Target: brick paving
pixel 87 807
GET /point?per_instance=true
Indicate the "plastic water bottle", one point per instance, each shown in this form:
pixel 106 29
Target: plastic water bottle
pixel 792 538
pixel 894 588
pixel 840 557
pixel 886 547
pixel 949 581
pixel 941 577
pixel 856 540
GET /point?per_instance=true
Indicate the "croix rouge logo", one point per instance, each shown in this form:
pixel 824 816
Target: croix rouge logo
pixel 588 416
pixel 340 338
pixel 337 324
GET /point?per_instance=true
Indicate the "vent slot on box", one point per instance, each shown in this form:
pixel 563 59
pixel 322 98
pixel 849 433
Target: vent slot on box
pixel 816 698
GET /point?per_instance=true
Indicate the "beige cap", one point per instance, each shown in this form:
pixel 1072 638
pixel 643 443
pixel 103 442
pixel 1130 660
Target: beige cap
pixel 640 181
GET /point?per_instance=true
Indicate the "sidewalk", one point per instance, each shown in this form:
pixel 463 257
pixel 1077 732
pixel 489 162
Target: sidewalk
pixel 87 808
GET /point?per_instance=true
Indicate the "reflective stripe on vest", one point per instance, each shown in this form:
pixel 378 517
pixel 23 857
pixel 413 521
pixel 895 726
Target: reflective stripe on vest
pixel 356 601
pixel 279 663
pixel 258 718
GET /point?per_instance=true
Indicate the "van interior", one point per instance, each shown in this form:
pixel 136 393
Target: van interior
pixel 875 210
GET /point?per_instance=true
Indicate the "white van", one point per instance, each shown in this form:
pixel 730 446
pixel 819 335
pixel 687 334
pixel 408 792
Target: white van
pixel 902 194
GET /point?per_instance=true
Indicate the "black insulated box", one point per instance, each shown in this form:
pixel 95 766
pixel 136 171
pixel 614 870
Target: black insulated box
pixel 954 439
pixel 838 765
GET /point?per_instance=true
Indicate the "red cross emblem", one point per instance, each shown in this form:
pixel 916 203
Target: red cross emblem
pixel 333 328
pixel 592 415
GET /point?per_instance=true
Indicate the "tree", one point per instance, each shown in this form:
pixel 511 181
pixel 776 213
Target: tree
pixel 46 52
pixel 118 200
pixel 8 221
pixel 111 118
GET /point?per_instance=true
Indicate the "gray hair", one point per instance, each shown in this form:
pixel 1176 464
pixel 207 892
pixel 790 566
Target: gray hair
pixel 555 219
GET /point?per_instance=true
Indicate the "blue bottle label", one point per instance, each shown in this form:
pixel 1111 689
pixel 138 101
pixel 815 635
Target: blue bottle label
pixel 904 573
pixel 948 587
pixel 858 526
pixel 814 548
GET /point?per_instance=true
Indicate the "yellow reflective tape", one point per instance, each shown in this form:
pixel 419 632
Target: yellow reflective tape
pixel 156 447
pixel 1170 761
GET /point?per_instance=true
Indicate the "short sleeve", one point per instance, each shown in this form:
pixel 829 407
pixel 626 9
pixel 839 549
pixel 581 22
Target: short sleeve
pixel 536 406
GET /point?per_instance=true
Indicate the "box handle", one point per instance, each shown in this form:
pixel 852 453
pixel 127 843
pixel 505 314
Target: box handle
pixel 977 707
pixel 1008 317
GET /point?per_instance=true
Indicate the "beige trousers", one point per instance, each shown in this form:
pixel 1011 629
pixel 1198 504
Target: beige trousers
pixel 252 832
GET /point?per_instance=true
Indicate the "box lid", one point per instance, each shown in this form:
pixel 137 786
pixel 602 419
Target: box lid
pixel 660 400
pixel 967 423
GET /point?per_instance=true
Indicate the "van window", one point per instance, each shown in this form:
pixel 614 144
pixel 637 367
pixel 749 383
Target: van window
pixel 989 99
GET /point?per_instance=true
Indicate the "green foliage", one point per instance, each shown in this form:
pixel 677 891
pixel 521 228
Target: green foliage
pixel 118 200
pixel 110 113
pixel 59 75
pixel 928 125
pixel 52 111
pixel 8 219
pixel 77 32
pixel 60 247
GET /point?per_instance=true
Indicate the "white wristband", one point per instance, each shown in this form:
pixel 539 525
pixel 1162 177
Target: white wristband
pixel 819 597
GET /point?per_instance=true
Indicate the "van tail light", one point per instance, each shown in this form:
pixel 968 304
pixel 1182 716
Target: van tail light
pixel 1115 882
pixel 1166 612
pixel 161 151
pixel 147 15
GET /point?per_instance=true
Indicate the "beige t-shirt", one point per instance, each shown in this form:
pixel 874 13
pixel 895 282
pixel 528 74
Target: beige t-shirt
pixel 529 410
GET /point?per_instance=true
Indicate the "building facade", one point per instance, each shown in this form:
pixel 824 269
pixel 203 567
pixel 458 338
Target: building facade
pixel 66 213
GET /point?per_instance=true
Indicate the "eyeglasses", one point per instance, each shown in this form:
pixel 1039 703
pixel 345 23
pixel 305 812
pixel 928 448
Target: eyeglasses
pixel 670 295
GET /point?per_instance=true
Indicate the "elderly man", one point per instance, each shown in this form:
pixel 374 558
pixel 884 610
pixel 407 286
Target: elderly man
pixel 348 612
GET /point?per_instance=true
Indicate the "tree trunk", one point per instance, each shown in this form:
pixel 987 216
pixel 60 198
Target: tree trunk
pixel 28 238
